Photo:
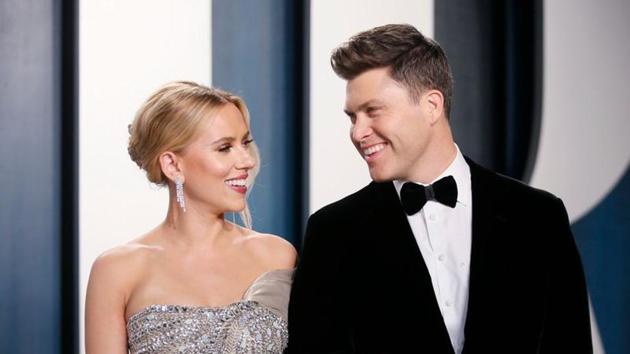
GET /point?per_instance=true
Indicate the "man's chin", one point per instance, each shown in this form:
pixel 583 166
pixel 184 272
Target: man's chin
pixel 380 176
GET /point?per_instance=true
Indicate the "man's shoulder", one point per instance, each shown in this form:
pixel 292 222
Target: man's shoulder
pixel 507 187
pixel 350 205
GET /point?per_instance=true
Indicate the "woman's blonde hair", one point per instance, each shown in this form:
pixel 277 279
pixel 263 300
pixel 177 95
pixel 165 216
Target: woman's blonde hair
pixel 169 120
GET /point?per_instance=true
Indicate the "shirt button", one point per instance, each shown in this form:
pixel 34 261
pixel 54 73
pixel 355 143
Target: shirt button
pixel 462 264
pixel 441 258
pixel 449 303
pixel 432 217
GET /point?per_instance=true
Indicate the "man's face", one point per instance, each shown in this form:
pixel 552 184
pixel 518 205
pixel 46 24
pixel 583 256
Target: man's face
pixel 390 131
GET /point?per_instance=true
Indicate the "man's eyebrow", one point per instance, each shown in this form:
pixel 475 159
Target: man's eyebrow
pixel 363 106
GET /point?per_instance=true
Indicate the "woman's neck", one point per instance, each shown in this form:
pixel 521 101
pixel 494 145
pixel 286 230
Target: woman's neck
pixel 197 228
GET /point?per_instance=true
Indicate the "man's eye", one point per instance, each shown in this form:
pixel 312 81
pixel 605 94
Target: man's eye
pixel 372 110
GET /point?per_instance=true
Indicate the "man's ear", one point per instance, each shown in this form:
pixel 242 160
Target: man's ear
pixel 434 102
pixel 170 164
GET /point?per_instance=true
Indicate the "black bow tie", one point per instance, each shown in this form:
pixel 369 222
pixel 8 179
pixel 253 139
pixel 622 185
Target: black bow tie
pixel 413 196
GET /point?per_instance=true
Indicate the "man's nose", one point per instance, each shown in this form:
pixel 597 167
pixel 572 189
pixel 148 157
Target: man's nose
pixel 361 128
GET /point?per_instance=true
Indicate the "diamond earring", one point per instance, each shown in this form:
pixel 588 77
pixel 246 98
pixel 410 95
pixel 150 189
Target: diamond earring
pixel 179 189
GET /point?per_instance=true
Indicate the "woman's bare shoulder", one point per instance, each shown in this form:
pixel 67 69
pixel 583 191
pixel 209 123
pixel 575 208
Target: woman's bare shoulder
pixel 124 263
pixel 272 250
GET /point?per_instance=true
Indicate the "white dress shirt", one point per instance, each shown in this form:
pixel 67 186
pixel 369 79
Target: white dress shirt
pixel 444 237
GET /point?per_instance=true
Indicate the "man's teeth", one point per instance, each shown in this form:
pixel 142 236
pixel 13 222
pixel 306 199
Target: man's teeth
pixel 237 182
pixel 373 149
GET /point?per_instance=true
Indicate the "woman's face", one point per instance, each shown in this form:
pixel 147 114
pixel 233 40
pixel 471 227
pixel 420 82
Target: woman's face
pixel 217 163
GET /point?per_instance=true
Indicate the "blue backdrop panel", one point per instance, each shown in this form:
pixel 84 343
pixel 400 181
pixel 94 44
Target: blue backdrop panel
pixel 495 51
pixel 603 237
pixel 37 185
pixel 257 53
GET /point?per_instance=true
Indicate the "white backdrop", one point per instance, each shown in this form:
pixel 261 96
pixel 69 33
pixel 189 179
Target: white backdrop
pixel 127 49
pixel 584 146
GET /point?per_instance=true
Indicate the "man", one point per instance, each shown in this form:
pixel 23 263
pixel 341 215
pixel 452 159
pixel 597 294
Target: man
pixel 437 254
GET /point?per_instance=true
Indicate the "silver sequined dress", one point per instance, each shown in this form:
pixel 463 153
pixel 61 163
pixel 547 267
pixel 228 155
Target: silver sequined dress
pixel 256 324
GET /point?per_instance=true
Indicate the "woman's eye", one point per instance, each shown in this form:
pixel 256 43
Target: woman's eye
pixel 248 142
pixel 225 148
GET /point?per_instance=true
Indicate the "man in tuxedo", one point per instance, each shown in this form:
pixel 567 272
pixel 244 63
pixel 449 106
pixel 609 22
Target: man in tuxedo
pixel 437 254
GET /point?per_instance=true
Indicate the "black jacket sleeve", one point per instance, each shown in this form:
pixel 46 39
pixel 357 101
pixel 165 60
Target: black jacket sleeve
pixel 318 320
pixel 566 326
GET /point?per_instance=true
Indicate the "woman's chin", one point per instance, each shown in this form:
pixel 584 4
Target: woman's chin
pixel 235 208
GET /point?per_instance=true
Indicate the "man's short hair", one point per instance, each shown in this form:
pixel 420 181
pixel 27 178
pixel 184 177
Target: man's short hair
pixel 417 62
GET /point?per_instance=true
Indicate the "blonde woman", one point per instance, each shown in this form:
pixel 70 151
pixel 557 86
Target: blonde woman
pixel 196 283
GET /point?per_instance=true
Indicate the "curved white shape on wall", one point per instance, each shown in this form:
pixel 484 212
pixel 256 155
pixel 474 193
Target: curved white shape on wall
pixel 584 147
pixel 336 169
pixel 127 50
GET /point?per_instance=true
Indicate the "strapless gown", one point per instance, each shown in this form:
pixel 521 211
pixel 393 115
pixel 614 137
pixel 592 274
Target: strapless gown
pixel 255 324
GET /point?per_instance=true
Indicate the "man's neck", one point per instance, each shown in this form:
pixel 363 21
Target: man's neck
pixel 436 162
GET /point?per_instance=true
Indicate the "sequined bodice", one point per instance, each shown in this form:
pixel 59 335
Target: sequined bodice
pixel 256 324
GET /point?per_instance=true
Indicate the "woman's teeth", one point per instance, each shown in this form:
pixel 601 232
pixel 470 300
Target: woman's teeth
pixel 236 182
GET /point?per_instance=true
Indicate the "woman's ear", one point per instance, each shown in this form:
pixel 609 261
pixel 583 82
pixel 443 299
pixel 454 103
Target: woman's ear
pixel 170 164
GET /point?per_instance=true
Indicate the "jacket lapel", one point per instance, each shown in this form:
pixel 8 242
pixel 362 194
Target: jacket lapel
pixel 391 223
pixel 396 226
pixel 487 223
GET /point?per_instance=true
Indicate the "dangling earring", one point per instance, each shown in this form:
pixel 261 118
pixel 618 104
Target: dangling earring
pixel 179 189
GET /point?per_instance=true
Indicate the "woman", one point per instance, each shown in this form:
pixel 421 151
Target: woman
pixel 197 283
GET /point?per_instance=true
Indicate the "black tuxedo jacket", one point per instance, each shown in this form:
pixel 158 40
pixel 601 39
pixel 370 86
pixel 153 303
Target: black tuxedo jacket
pixel 362 286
